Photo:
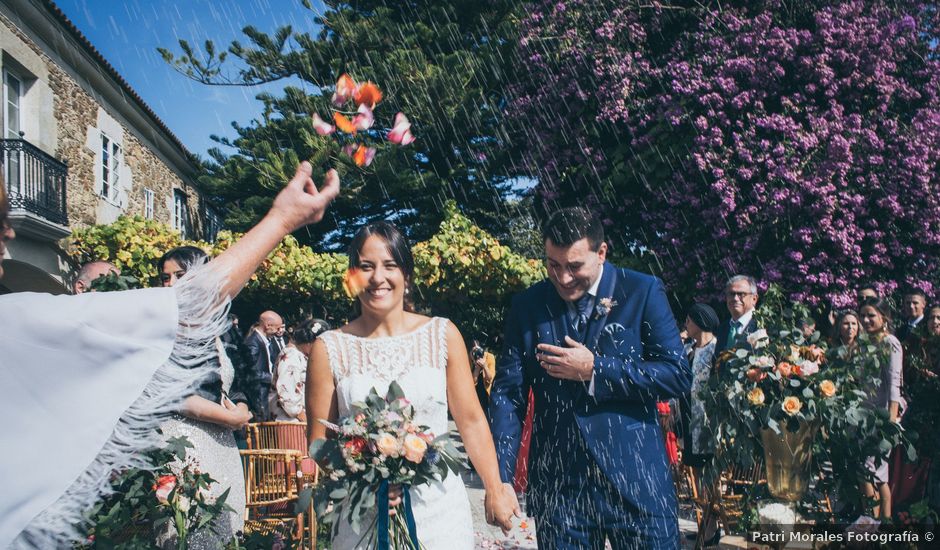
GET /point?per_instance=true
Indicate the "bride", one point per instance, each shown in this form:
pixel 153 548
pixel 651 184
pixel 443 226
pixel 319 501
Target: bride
pixel 388 342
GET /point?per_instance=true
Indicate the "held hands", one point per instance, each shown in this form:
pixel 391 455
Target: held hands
pixel 574 362
pixel 501 504
pixel 300 203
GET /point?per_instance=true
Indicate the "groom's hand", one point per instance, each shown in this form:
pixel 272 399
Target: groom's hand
pixel 573 362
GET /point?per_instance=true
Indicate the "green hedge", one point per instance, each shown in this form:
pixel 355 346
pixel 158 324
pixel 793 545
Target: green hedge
pixel 461 272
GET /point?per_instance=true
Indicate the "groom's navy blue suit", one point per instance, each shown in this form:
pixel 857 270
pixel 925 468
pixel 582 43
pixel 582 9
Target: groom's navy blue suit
pixel 597 463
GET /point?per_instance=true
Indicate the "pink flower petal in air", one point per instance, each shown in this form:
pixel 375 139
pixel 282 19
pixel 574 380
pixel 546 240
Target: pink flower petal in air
pixel 345 90
pixel 365 119
pixel 321 126
pixel 401 131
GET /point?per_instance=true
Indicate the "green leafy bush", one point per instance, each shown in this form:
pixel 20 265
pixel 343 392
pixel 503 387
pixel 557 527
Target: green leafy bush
pixel 461 272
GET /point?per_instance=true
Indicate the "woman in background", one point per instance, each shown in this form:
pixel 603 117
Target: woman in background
pixel 876 320
pixel 290 374
pixel 207 419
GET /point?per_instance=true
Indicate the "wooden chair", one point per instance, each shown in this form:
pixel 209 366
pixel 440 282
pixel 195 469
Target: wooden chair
pixel 735 485
pixel 272 485
pixel 284 435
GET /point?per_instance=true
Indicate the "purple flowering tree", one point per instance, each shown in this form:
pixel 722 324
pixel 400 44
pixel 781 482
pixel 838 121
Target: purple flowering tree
pixel 799 142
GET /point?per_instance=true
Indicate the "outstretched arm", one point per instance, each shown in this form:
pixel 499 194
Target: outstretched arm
pixel 298 204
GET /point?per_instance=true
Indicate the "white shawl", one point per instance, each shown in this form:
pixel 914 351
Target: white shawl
pixel 86 380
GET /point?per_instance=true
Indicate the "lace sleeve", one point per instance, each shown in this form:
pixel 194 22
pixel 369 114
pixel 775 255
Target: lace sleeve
pixel 331 339
pixel 440 333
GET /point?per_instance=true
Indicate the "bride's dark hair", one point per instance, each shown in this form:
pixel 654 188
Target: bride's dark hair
pixel 398 247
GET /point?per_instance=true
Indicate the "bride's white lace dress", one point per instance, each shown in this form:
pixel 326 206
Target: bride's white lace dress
pixel 418 362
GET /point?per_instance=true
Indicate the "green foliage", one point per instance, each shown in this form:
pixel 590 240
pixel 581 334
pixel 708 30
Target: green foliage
pixel 112 282
pixel 443 64
pixel 465 274
pixel 132 243
pixel 780 380
pixel 146 500
pixel 461 272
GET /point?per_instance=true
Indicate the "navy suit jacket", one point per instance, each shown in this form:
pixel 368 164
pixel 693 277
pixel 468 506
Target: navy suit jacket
pixel 259 372
pixel 740 340
pixel 638 360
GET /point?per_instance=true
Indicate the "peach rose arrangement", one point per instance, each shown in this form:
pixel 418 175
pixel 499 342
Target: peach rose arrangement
pixel 779 377
pixel 379 445
pixel 782 379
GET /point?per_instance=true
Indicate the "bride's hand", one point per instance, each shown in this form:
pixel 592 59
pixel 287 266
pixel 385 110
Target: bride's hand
pixel 394 498
pixel 501 504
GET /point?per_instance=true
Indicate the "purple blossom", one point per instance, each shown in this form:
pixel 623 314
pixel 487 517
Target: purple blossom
pixel 803 150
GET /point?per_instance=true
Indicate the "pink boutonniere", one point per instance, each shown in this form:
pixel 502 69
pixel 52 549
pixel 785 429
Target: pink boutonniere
pixel 604 305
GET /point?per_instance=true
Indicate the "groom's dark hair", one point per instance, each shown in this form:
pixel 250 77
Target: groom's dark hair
pixel 569 225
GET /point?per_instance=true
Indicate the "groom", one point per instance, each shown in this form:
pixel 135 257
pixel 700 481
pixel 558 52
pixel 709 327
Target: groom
pixel 598 345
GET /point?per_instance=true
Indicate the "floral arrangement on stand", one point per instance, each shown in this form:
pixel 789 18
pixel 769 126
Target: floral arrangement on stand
pixel 783 382
pixel 376 446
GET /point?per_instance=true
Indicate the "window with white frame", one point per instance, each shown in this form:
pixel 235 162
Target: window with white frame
pixel 110 168
pixel 12 101
pixel 148 204
pixel 180 213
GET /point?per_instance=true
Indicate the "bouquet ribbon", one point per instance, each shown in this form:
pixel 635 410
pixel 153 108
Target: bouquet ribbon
pixel 383 518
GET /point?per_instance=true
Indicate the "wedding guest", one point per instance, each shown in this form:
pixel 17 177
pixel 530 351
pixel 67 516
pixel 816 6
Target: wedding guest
pixel 91 271
pixel 484 369
pixel 930 349
pixel 864 292
pixel 262 354
pixel 701 322
pixel 846 329
pixel 876 320
pixel 209 416
pixel 807 326
pixel 290 376
pixel 933 321
pixel 912 314
pixel 278 341
pixel 741 299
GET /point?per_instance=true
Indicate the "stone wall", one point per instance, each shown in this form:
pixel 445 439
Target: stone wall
pixel 77 113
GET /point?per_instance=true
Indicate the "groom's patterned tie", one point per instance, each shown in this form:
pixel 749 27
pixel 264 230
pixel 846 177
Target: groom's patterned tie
pixel 583 309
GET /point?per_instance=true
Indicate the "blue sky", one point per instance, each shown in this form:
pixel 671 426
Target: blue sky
pixel 128 33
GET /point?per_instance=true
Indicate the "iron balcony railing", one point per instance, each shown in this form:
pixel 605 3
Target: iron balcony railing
pixel 35 180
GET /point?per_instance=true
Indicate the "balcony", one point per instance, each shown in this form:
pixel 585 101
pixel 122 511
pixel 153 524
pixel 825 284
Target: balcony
pixel 36 189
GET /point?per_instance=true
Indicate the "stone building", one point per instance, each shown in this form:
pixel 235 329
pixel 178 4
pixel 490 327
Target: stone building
pixel 79 146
